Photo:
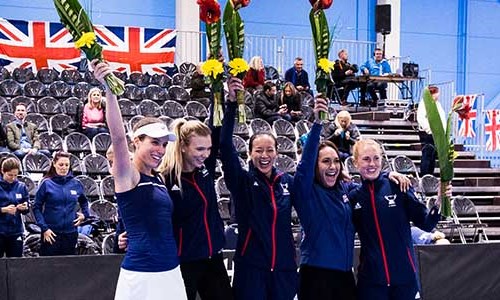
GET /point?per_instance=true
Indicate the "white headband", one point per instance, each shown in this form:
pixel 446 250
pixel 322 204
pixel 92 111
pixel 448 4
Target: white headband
pixel 155 130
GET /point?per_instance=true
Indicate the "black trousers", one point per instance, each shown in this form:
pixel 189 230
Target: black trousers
pixel 11 246
pixel 326 284
pixel 208 277
pixel 65 244
pixel 428 161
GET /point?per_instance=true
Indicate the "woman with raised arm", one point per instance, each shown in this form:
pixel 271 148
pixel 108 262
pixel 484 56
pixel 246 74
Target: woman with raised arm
pixel 265 266
pixel 320 192
pixel 150 269
pixel 189 171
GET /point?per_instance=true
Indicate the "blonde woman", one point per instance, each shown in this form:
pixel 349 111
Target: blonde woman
pixel 256 75
pixel 93 119
pixel 343 133
pixel 189 171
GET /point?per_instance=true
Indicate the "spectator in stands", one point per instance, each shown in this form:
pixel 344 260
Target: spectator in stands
pixel 188 167
pixel 376 66
pixel 266 105
pixel 199 87
pixel 342 70
pixel 265 266
pixel 22 136
pixel 429 155
pixel 420 237
pixel 256 75
pixel 92 115
pixel 151 265
pixel 3 140
pixel 320 192
pixel 14 199
pixel 298 76
pixel 382 215
pixel 291 98
pixel 56 207
pixel 343 133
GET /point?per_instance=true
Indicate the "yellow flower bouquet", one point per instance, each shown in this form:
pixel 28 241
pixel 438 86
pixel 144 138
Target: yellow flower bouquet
pixel 74 18
pixel 213 70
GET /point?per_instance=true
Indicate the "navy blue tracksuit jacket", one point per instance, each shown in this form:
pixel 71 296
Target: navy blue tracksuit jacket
pixel 263 208
pixel 12 193
pixel 382 215
pixel 198 227
pixel 325 214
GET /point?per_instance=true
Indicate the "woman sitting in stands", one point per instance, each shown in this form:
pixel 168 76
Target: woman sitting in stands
pixel 291 98
pixel 93 114
pixel 256 75
pixel 14 199
pixel 56 208
pixel 343 133
pixel 150 269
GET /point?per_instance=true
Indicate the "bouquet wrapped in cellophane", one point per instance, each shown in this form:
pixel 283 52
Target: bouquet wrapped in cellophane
pixel 234 30
pixel 444 146
pixel 322 42
pixel 75 19
pixel 213 69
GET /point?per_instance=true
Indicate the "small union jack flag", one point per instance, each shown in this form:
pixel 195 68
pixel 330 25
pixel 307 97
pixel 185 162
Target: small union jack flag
pixel 130 49
pixel 492 129
pixel 467 126
pixel 36 45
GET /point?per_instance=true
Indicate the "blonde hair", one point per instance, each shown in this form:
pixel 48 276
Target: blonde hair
pixel 254 63
pixel 363 143
pixel 172 162
pixel 89 96
pixel 342 114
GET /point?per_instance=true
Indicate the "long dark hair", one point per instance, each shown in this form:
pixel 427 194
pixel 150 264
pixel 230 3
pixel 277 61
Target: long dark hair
pixel 329 144
pixel 57 155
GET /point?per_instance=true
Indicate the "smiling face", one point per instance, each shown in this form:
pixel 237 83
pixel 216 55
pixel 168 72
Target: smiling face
pixel 95 97
pixel 328 166
pixel 61 166
pixel 263 153
pixel 195 152
pixel 368 159
pixel 149 151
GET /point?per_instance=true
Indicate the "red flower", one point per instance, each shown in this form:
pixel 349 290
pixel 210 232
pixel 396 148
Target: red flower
pixel 237 4
pixel 209 11
pixel 321 4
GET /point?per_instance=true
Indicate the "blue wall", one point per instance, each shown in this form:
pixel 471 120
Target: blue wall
pixel 431 31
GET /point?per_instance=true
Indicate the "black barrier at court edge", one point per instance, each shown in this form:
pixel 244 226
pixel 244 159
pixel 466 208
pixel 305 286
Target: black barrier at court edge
pixel 62 278
pixel 3 279
pixel 460 272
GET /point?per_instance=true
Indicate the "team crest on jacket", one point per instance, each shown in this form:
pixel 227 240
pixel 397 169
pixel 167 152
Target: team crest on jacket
pixel 391 200
pixel 284 186
pixel 175 187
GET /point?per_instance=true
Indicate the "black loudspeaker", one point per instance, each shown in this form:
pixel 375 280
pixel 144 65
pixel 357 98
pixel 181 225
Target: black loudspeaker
pixel 410 70
pixel 383 18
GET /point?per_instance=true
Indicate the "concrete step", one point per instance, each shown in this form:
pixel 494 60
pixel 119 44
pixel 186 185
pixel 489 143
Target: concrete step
pixel 418 146
pixel 464 163
pixel 370 130
pixel 482 181
pixel 469 190
pixel 414 155
pixel 401 138
pixel 473 172
pixel 371 115
pixel 386 124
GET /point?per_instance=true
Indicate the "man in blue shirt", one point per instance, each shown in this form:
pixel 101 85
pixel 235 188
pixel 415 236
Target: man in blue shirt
pixel 376 66
pixel 298 76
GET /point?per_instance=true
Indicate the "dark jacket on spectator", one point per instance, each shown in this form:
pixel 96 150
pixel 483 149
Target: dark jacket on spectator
pixel 198 86
pixel 265 106
pixel 12 193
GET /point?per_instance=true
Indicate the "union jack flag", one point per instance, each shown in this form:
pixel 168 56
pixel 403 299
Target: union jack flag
pixel 130 49
pixel 36 45
pixel 467 126
pixel 492 129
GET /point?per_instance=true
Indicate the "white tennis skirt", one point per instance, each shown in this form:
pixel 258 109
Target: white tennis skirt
pixel 150 285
